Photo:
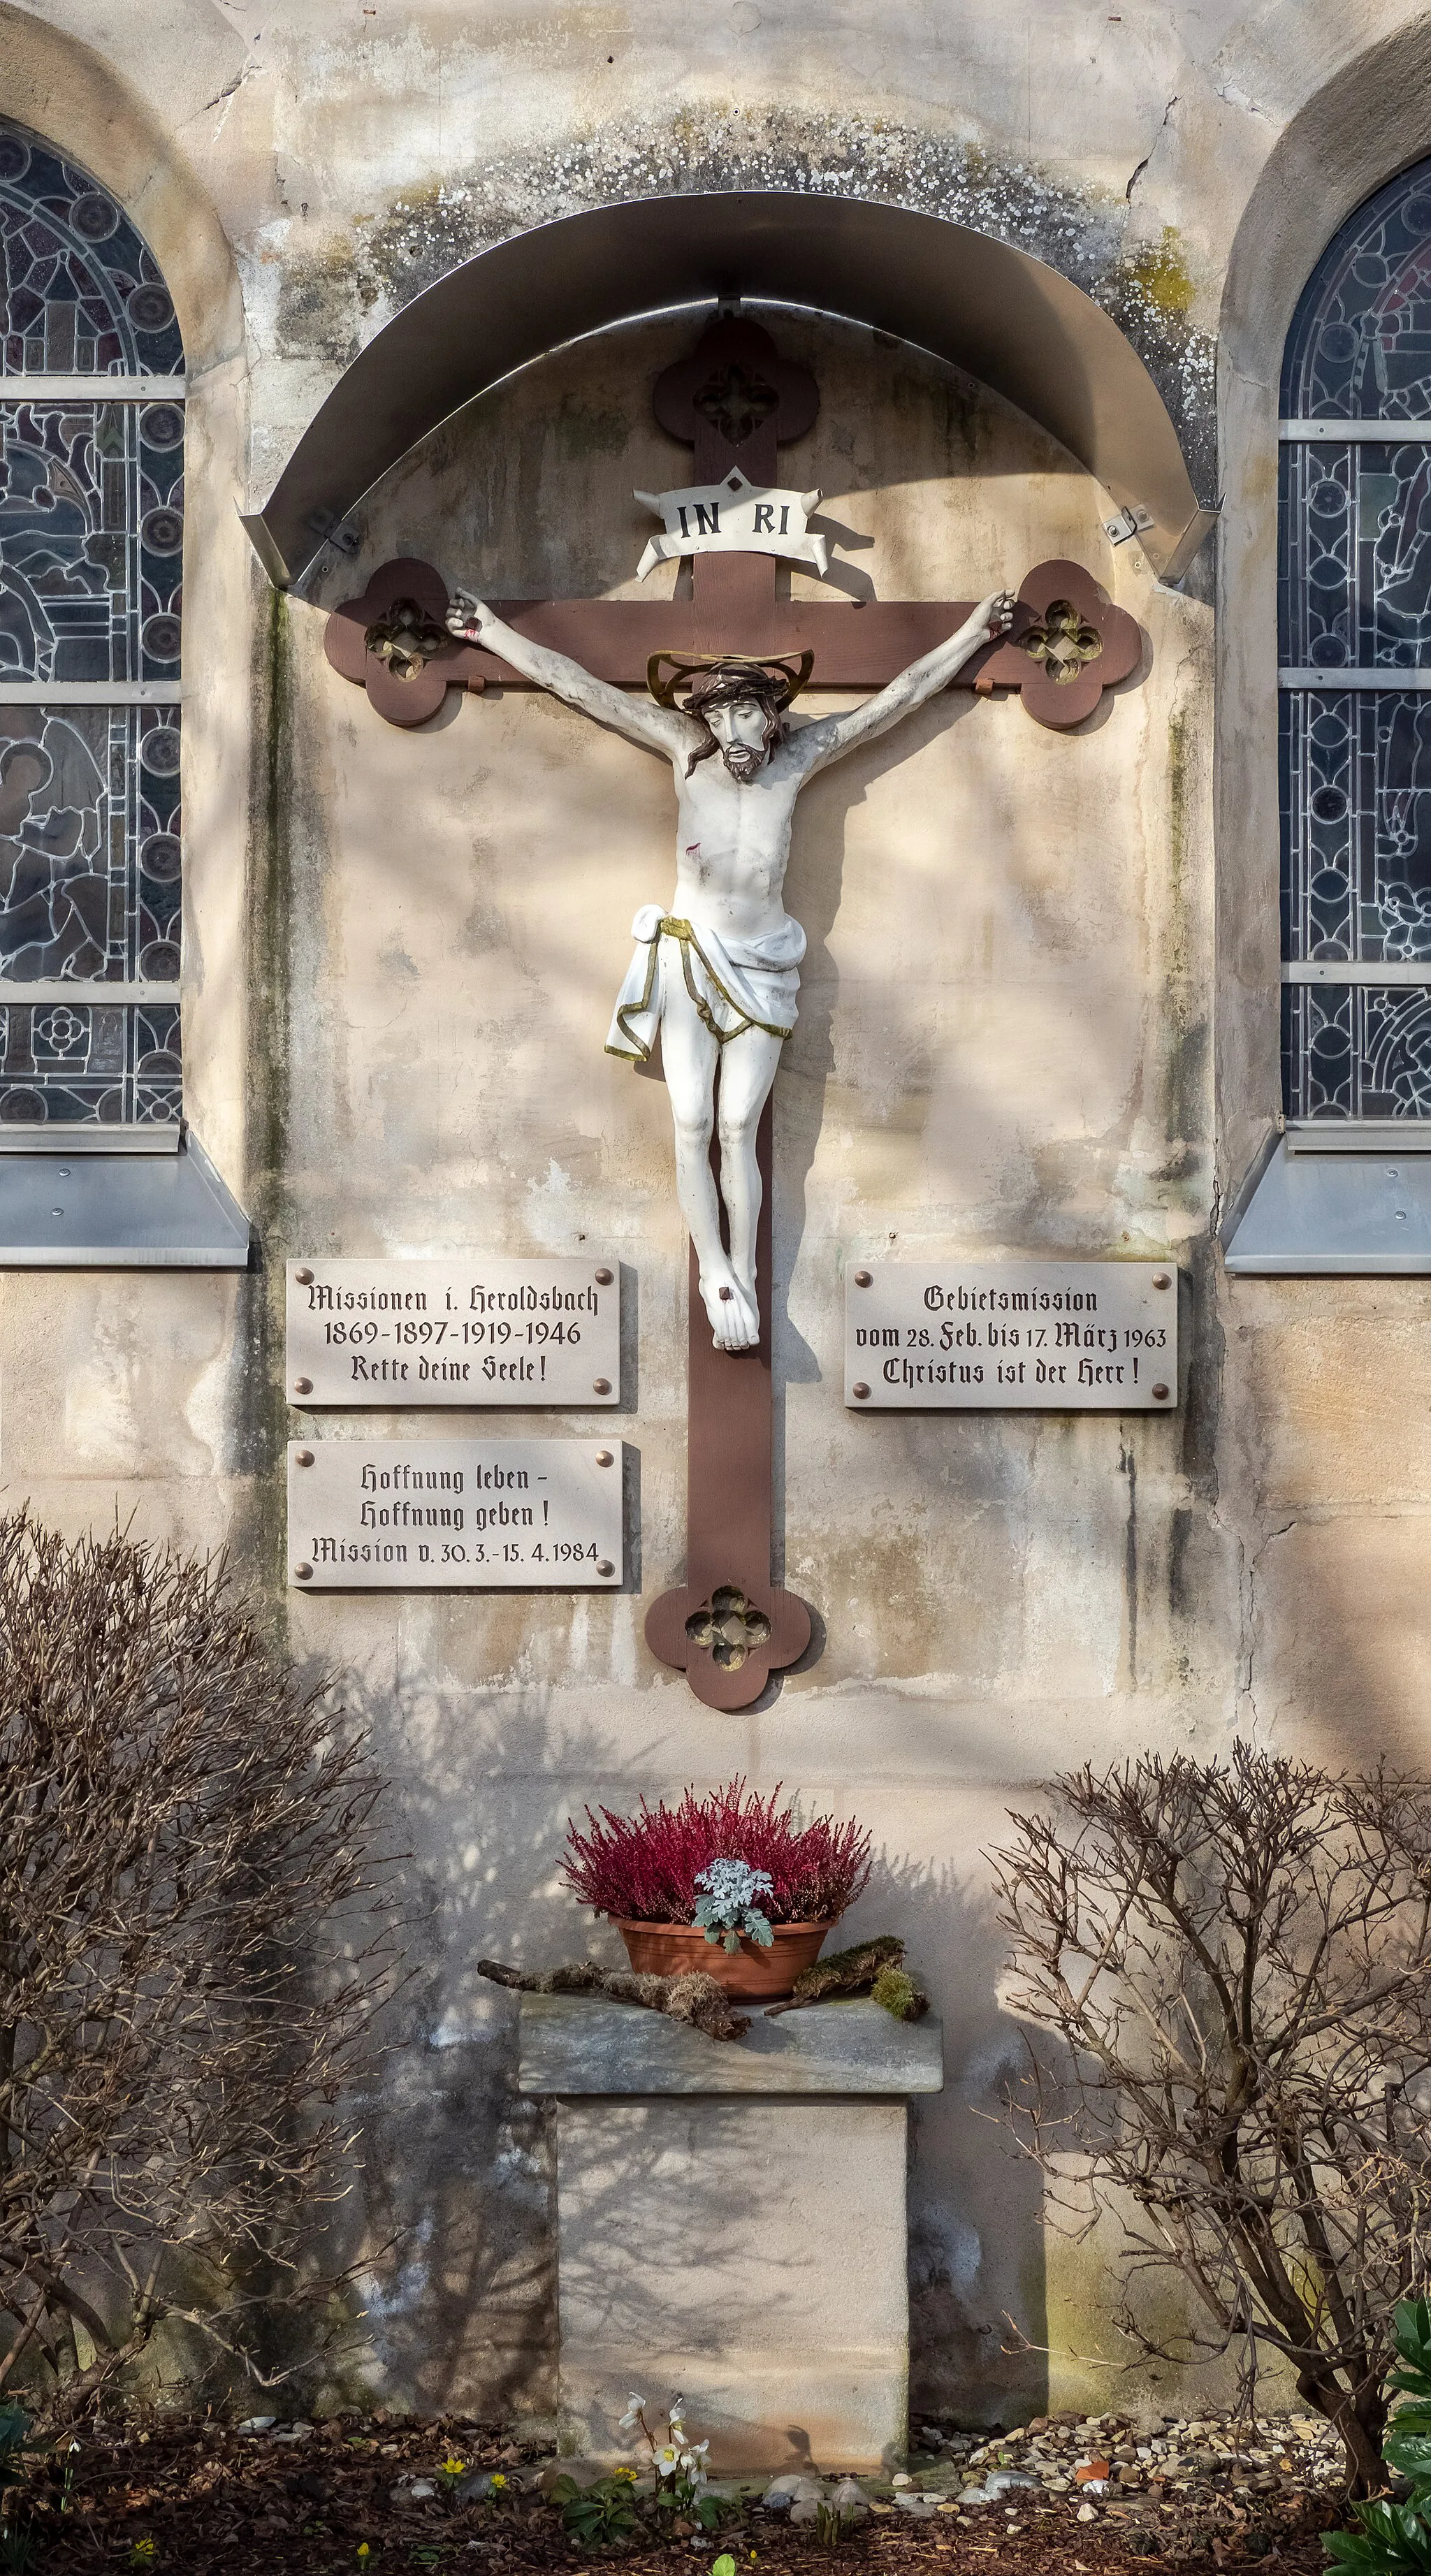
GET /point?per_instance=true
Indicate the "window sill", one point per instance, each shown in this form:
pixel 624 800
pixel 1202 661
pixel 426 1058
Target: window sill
pixel 136 1199
pixel 1351 1203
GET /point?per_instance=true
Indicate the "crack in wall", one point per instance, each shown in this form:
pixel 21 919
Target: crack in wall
pixel 1152 148
pixel 1252 1564
pixel 1128 1463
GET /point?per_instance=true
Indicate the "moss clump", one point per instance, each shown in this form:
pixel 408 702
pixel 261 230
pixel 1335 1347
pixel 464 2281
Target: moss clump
pixel 875 1968
pixel 896 1990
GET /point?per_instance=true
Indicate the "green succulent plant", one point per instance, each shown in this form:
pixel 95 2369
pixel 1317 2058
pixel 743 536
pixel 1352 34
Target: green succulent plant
pixel 1393 2537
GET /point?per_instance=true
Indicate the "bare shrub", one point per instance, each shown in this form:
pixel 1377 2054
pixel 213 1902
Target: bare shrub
pixel 1238 1962
pixel 194 1939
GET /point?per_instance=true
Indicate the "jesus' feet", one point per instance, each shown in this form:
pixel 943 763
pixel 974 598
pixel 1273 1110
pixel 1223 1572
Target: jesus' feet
pixel 734 1314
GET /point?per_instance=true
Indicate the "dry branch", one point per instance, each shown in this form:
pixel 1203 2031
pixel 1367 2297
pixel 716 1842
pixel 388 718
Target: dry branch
pixel 693 1997
pixel 1237 1961
pixel 192 1949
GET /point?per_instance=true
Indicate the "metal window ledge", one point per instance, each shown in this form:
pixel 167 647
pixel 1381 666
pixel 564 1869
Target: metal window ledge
pixel 1351 1203
pixel 1356 433
pixel 1397 678
pixel 92 388
pixel 90 693
pixel 67 1205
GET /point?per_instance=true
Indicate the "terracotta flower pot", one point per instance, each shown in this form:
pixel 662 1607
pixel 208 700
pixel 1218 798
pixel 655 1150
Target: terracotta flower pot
pixel 750 1974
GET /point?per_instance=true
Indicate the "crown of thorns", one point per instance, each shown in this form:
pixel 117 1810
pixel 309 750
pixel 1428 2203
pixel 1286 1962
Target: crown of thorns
pixel 726 676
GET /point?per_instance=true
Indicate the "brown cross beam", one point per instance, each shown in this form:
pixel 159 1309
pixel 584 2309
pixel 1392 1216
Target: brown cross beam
pixel 735 401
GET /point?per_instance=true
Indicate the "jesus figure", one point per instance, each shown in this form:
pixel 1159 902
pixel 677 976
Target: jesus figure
pixel 717 976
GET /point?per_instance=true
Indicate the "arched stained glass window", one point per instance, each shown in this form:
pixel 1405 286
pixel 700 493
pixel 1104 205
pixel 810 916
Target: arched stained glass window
pixel 91 567
pixel 1355 656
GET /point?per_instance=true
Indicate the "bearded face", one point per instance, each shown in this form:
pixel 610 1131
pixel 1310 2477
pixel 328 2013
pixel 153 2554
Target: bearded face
pixel 741 729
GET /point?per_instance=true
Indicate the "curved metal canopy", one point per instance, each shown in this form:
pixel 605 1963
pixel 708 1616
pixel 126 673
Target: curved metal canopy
pixel 1001 315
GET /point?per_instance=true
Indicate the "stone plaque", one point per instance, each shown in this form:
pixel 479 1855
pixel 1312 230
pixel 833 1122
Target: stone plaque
pixel 1033 1336
pixel 463 1331
pixel 454 1515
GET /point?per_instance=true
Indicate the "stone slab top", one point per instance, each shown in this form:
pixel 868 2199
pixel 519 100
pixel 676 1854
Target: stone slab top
pixel 585 2044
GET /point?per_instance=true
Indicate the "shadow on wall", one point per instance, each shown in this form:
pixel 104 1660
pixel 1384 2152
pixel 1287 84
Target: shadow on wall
pixel 976 2203
pixel 461 2168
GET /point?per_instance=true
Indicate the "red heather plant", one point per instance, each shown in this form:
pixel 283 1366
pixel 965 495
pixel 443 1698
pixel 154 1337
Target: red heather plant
pixel 645 1866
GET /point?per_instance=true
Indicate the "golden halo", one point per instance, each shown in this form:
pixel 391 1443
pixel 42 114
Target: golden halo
pixel 796 675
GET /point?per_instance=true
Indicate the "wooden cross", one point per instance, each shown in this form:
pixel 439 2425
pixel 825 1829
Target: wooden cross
pixel 735 401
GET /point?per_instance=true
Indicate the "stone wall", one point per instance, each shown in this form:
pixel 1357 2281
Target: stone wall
pixel 1039 1011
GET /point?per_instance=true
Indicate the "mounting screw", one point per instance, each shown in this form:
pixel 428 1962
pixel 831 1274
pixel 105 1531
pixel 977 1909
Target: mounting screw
pixel 1162 1280
pixel 302 1457
pixel 601 1386
pixel 605 1566
pixel 1161 1394
pixel 303 1386
pixel 304 1277
pixel 725 1296
pixel 860 1389
pixel 604 1278
pixel 863 1279
pixel 304 1573
pixel 604 1458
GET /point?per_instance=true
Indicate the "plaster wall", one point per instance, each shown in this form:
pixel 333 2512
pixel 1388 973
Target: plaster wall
pixel 1038 1013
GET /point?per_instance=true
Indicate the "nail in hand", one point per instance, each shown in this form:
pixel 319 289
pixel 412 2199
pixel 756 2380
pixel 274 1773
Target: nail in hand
pixel 465 616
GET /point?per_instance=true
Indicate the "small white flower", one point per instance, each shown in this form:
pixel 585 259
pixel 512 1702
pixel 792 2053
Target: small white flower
pixel 668 2460
pixel 633 2413
pixel 678 2408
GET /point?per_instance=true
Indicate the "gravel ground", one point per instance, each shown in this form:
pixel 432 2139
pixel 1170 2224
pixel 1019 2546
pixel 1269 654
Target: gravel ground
pixel 184 2499
pixel 1201 2469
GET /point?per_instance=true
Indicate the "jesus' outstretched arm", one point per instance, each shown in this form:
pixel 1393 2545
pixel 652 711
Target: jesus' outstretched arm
pixel 656 728
pixel 815 745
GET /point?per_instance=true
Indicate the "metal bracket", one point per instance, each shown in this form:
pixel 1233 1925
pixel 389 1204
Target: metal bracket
pixel 1130 521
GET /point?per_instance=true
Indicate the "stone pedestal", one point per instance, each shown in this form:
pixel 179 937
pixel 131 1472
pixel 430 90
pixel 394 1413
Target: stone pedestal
pixel 731 2225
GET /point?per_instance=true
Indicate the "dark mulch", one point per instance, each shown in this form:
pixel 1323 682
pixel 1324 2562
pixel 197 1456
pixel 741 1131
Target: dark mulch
pixel 209 2499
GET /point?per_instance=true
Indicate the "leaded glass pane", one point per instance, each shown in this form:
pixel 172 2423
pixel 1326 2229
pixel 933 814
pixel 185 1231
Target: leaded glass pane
pixel 1360 347
pixel 89 843
pixel 1357 1050
pixel 78 1064
pixel 1356 825
pixel 1355 596
pixel 1356 556
pixel 91 566
pixel 91 540
pixel 80 293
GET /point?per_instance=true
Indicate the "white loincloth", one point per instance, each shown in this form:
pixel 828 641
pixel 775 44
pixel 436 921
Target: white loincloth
pixel 736 984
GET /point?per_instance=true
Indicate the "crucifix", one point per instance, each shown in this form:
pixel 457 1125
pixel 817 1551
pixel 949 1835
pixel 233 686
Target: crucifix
pixel 717 974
